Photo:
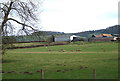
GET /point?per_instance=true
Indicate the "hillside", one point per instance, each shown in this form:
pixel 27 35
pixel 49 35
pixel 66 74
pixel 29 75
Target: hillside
pixel 44 35
pixel 108 30
pixel 47 33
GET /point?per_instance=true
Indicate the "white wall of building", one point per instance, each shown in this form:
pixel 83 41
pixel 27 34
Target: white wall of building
pixel 62 38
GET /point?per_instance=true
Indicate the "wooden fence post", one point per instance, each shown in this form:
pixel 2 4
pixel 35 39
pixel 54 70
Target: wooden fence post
pixel 42 74
pixel 94 74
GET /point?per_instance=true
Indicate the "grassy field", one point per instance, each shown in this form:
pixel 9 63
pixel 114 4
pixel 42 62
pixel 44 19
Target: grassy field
pixel 28 44
pixel 71 61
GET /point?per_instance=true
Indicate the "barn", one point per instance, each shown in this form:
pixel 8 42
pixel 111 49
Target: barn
pixel 68 38
pixel 101 38
pixel 59 38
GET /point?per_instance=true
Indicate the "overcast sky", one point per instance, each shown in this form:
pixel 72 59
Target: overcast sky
pixel 71 16
pixel 78 15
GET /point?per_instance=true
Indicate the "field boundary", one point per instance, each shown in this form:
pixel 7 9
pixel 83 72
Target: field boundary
pixel 62 52
pixel 40 45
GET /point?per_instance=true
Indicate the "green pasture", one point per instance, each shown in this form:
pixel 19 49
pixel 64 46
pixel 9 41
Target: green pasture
pixel 63 65
pixel 28 44
pixel 87 47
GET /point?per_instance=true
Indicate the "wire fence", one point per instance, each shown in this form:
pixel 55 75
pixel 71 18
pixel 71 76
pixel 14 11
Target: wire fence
pixel 93 75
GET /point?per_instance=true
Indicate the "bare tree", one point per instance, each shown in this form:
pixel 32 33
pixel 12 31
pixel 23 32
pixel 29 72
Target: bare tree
pixel 20 12
pixel 20 15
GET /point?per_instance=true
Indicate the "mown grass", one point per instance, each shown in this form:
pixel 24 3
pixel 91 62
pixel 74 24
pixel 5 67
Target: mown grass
pixel 69 65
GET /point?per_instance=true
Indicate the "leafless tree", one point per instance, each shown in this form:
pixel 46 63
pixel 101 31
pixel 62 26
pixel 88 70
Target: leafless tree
pixel 22 12
pixel 20 15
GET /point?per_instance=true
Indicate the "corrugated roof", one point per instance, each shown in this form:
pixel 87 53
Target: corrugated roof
pixel 62 35
pixel 98 35
pixel 107 35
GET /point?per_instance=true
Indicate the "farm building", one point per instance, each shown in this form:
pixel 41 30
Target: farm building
pixel 107 35
pixel 116 37
pixel 60 38
pixel 96 35
pixel 80 38
pixel 102 37
pixel 68 38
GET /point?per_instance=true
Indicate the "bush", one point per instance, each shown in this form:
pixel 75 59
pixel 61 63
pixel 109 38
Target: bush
pixel 81 39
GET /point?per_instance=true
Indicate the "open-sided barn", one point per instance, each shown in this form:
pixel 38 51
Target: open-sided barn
pixel 102 37
pixel 69 38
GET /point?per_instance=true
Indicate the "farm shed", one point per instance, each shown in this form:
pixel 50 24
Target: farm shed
pixel 116 37
pixel 60 38
pixel 96 35
pixel 79 38
pixel 101 38
pixel 106 35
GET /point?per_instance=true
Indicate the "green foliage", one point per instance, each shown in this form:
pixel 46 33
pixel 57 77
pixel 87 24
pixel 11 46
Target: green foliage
pixel 8 39
pixel 6 42
pixel 81 39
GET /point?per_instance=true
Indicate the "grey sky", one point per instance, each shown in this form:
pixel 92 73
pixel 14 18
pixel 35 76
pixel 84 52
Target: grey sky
pixel 77 15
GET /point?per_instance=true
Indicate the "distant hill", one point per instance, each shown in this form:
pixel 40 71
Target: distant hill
pixel 109 30
pixel 48 33
pixel 43 35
